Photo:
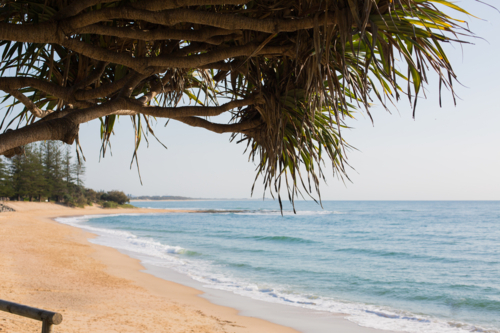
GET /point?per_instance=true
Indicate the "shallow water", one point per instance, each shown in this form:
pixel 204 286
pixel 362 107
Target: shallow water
pixel 405 266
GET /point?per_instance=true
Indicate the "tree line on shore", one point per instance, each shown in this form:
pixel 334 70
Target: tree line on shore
pixel 47 171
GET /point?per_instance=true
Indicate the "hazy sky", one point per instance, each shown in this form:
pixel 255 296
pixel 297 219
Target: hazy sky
pixel 449 153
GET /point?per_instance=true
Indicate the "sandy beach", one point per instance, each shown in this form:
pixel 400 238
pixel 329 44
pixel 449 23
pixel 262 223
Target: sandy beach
pixel 53 266
pixel 97 289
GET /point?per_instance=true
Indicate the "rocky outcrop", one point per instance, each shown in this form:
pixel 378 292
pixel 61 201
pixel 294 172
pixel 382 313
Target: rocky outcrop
pixel 4 208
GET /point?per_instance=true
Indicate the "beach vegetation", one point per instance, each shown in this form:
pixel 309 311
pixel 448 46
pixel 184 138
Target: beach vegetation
pixel 109 204
pixel 112 199
pixel 46 171
pixel 127 206
pixel 115 196
pixel 91 195
pixel 112 204
pixel 289 74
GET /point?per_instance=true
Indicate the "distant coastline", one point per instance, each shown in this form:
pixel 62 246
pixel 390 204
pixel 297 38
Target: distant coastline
pixel 179 198
pixel 132 199
pixel 161 198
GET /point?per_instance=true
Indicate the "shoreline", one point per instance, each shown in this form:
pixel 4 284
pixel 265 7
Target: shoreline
pixel 96 287
pixel 188 200
pixel 192 303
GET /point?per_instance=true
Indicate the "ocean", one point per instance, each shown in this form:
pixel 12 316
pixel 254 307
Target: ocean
pixel 413 266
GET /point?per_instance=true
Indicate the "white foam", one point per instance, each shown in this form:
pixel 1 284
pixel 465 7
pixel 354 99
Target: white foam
pixel 210 275
pixel 123 239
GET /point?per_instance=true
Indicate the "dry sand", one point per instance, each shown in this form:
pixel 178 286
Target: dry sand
pixel 52 266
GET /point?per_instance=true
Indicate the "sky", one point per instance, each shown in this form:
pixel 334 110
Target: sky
pixel 448 153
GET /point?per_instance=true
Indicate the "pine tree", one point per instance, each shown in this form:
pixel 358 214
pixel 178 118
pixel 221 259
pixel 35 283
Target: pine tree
pixel 5 180
pixel 53 169
pixel 29 173
pixel 58 172
pixel 47 164
pixel 69 171
pixel 27 176
pixel 39 184
pixel 80 172
pixel 45 170
pixel 17 170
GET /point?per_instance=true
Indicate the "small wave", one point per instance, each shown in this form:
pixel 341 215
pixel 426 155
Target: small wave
pixel 152 246
pixel 394 316
pixel 286 239
pixel 362 314
pixel 189 253
pixel 378 253
pixel 125 240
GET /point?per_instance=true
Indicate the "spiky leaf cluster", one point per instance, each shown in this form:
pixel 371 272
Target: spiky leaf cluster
pixel 289 72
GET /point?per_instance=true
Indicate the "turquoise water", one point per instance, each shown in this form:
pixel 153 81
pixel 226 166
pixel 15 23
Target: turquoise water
pixel 405 266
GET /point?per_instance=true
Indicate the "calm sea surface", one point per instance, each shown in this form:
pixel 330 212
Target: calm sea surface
pixel 407 266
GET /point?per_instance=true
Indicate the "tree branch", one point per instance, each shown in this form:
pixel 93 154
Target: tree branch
pixel 187 111
pixel 14 83
pixel 57 129
pixel 131 84
pixel 9 84
pixel 76 7
pixel 158 5
pixel 85 115
pixel 220 128
pixel 104 90
pixel 202 35
pixel 153 5
pixel 101 54
pixel 28 103
pixel 51 34
pixel 43 33
pixel 173 17
pixel 63 125
pixel 143 65
pixel 219 54
pixel 13 152
pixel 94 76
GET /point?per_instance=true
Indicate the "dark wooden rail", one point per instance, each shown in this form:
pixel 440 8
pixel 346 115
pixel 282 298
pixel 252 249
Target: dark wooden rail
pixel 48 318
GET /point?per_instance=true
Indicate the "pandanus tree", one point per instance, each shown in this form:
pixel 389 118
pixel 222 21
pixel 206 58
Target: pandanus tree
pixel 289 72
